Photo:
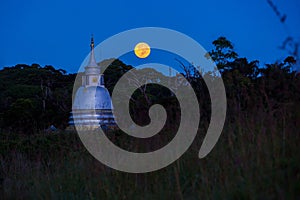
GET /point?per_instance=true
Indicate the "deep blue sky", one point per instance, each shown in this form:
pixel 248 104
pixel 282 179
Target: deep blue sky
pixel 57 32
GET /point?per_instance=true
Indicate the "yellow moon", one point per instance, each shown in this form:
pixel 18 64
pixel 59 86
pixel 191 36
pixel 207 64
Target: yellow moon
pixel 142 50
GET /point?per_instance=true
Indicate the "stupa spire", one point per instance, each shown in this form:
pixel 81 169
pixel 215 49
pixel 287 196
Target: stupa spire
pixel 92 43
pixel 92 61
pixel 93 76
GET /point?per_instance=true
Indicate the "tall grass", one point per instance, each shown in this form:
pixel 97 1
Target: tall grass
pixel 256 158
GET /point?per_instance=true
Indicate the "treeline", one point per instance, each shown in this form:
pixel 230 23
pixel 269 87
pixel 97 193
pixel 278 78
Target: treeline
pixel 33 97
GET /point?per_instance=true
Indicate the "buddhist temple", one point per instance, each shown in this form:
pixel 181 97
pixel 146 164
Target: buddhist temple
pixel 92 105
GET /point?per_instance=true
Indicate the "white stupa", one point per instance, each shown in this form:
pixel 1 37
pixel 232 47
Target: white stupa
pixel 92 106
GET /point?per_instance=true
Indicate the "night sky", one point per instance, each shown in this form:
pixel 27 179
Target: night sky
pixel 58 32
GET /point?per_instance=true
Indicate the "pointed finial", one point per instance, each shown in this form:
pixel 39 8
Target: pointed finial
pixel 92 42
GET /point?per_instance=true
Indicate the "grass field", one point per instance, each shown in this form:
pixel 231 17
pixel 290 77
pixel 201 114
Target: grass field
pixel 254 159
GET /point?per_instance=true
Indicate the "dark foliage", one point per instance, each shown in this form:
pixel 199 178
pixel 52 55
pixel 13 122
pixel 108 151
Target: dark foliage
pixel 34 97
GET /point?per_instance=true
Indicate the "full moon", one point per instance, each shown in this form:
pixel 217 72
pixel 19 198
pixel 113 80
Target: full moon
pixel 142 50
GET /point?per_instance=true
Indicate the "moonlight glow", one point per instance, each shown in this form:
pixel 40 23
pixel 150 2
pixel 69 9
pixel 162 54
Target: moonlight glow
pixel 142 50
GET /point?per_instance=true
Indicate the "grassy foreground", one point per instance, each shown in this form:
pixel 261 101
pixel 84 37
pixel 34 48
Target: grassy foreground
pixel 260 162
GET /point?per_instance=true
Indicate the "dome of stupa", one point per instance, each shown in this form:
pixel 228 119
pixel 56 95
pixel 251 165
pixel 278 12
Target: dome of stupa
pixel 91 98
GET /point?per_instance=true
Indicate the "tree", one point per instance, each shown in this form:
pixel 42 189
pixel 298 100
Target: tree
pixel 223 53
